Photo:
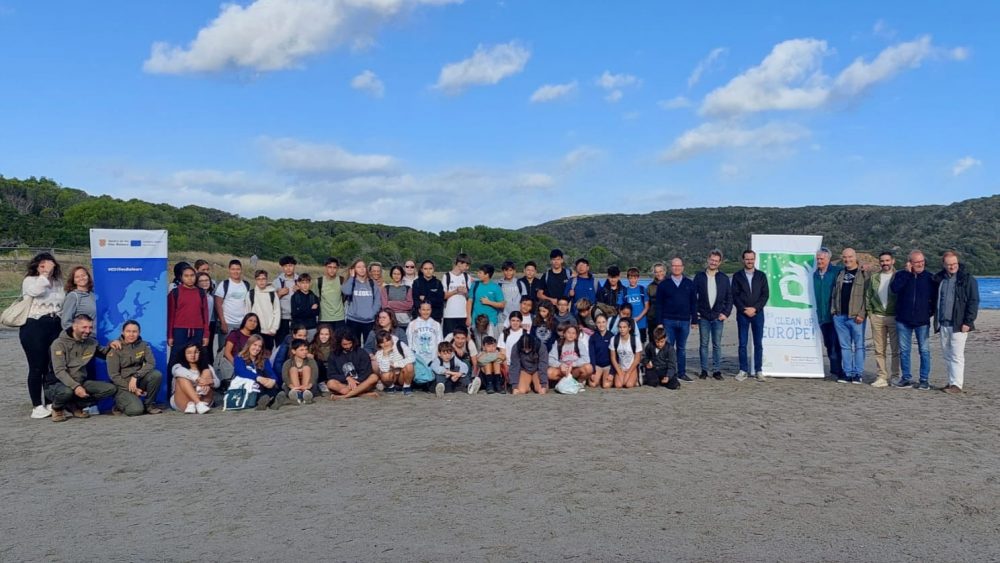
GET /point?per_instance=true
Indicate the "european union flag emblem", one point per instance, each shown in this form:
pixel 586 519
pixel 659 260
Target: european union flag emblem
pixel 135 243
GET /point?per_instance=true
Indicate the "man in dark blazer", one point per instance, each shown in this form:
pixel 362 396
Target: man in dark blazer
pixel 750 294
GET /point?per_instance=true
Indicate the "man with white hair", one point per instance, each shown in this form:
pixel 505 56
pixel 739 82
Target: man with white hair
pixel 955 316
pixel 823 279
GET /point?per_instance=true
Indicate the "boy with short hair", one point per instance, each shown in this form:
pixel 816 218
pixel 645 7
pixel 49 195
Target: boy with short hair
pixel 485 297
pixel 305 305
pixel 284 286
pixel 511 293
pixel 231 298
pixel 563 313
pixel 299 372
pixel 451 374
pixel 331 300
pixel 660 361
pixel 636 296
pixel 456 292
pixel 491 360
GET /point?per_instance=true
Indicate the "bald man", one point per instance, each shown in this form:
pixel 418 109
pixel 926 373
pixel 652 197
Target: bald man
pixel 847 306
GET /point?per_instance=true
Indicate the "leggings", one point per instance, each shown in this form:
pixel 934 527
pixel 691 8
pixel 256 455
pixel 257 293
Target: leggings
pixel 36 336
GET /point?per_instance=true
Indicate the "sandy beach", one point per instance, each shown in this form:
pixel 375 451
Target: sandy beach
pixel 788 470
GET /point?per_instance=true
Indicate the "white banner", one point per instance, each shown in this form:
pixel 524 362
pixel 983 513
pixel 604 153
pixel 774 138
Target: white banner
pixel 122 243
pixel 793 342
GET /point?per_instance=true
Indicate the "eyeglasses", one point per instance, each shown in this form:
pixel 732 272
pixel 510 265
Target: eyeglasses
pixel 409 266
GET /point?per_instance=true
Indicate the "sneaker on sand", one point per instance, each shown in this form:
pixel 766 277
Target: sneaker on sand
pixel 924 386
pixel 380 386
pixel 741 376
pixel 904 382
pixel 857 380
pixel 191 408
pixel 439 390
pixel 41 411
pixel 684 377
pixel 952 389
pixel 407 391
pixel 703 374
pixel 760 376
pixel 202 407
pixel 279 400
pixel 880 383
pixel 262 402
pixel 843 379
pixel 58 415
pixel 475 385
pixel 717 375
pixel 307 397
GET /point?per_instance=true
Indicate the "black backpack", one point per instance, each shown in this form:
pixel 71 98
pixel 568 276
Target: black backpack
pixel 618 340
pixel 354 282
pixel 225 287
pixel 252 293
pixel 176 292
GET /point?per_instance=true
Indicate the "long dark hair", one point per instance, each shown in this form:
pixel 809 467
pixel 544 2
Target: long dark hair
pixel 340 336
pixel 244 323
pixel 180 357
pixel 528 347
pixel 550 321
pixel 38 259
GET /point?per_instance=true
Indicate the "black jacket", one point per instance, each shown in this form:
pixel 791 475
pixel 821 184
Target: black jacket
pixel 432 292
pixel 746 296
pixel 966 299
pixel 723 296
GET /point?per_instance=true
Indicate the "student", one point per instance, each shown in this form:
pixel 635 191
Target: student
pixel 583 285
pixel 636 296
pixel 320 349
pixel 194 381
pixel 612 293
pixel 529 366
pixel 625 312
pixel 600 354
pixel 424 334
pixel 363 300
pixel 451 374
pixel 490 361
pixel 188 313
pixel 265 304
pixel 251 364
pixel 570 356
pixel 232 298
pixel 626 355
pixel 393 363
pixel 299 373
pixel 43 283
pixel 511 293
pixel 456 286
pixel 554 280
pixel 331 300
pixel 238 338
pixel 526 308
pixel 385 321
pixel 305 305
pixel 349 369
pixel 528 285
pixel 204 267
pixel 585 313
pixel 284 286
pixel 485 297
pixel 398 297
pixel 133 371
pixel 481 329
pixel 284 350
pixel 465 351
pixel 79 299
pixel 511 334
pixel 564 314
pixel 661 361
pixel 543 326
pixel 204 282
pixel 428 289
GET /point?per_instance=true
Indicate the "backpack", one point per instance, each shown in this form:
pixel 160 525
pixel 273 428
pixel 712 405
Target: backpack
pixel 354 283
pixel 447 280
pixel 572 286
pixel 176 292
pixel 225 287
pixel 252 293
pixel 631 341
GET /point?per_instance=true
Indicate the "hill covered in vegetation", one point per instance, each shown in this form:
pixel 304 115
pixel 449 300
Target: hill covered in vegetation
pixel 40 212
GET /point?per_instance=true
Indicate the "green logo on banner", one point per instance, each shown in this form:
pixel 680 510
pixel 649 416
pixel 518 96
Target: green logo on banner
pixel 788 276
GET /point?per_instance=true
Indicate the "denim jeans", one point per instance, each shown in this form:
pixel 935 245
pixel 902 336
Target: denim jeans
pixel 711 329
pixel 852 344
pixel 905 333
pixel 832 348
pixel 744 325
pixel 677 335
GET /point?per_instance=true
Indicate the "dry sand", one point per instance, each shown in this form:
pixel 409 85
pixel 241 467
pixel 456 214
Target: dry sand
pixel 789 470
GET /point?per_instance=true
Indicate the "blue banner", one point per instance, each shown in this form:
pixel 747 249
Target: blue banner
pixel 130 283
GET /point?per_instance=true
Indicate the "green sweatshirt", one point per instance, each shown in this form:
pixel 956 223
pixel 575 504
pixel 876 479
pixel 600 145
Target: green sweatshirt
pixel 70 358
pixel 873 304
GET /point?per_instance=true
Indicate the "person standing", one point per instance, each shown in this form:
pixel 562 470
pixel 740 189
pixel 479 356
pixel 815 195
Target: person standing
pixel 456 293
pixel 409 272
pixel 528 285
pixel 43 284
pixel 583 285
pixel 715 304
pixel 676 298
pixel 750 295
pixel 847 306
pixel 880 303
pixel 958 307
pixel 914 291
pixel 428 289
pixel 362 299
pixel 823 278
pixel 331 300
pixel 80 298
pixel 555 279
pixel 284 287
pixel 232 298
pixel 659 274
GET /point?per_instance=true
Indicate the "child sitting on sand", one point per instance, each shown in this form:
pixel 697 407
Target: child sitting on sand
pixel 299 372
pixel 451 374
pixel 660 361
pixel 490 362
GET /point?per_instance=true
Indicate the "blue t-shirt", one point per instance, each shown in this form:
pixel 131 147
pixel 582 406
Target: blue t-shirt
pixel 489 290
pixel 636 296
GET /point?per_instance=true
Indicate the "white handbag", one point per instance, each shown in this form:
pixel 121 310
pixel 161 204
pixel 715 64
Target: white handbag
pixel 17 314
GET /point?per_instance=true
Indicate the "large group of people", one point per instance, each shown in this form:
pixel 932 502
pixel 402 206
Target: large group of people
pixel 291 339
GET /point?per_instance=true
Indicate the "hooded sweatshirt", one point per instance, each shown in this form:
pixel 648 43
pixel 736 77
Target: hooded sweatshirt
pixel 363 300
pixel 78 303
pixel 267 306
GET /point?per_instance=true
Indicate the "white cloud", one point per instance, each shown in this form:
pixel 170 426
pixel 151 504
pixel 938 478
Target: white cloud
pixel 726 135
pixel 535 180
pixel 300 157
pixel 704 65
pixel 861 75
pixel 963 165
pixel 550 92
pixel 269 35
pixel 678 102
pixel 369 82
pixel 488 65
pixel 614 84
pixel 581 155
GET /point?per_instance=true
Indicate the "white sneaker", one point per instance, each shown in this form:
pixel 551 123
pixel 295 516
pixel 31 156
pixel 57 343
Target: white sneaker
pixel 741 376
pixel 439 390
pixel 475 385
pixel 760 376
pixel 41 411
pixel 93 411
pixel 201 407
pixel 307 396
pixel 190 409
pixel 880 383
pixel 380 386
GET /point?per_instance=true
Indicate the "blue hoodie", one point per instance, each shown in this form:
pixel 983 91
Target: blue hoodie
pixel 362 301
pixel 600 349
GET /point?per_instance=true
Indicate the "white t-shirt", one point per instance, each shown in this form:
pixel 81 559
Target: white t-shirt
pixel 454 308
pixel 235 304
pixel 625 354
pixel 510 342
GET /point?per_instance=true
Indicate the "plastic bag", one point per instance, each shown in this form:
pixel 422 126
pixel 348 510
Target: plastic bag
pixel 568 386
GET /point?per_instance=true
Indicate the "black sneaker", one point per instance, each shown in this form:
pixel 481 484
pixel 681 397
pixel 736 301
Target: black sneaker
pixel 904 382
pixel 684 377
pixel 703 374
pixel 717 375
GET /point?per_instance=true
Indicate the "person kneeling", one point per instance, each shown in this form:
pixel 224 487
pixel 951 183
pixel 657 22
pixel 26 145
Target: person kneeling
pixel 393 361
pixel 349 369
pixel 67 386
pixel 451 374
pixel 661 361
pixel 133 371
pixel 299 372
pixel 529 366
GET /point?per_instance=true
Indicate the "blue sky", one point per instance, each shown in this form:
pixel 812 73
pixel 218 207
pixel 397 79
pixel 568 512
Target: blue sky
pixel 441 113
